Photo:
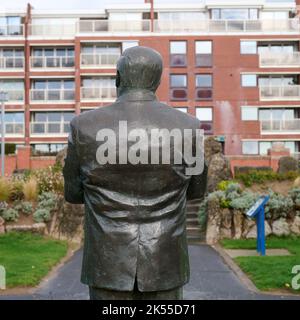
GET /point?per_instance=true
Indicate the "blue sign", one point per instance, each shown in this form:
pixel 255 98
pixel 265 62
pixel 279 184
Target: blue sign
pixel 257 211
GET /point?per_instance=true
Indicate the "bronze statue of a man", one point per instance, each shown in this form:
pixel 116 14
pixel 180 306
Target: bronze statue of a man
pixel 135 244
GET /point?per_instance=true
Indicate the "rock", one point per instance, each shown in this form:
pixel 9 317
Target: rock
pixel 39 228
pixel 218 170
pixel 60 157
pixel 295 225
pixel 296 183
pixel 287 164
pixel 252 233
pixel 67 222
pixel 280 227
pixel 247 226
pixel 213 221
pixel 2 227
pixel 238 218
pixel 211 147
pixel 226 224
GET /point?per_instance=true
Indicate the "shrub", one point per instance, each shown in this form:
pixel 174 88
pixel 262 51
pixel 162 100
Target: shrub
pixel 25 206
pixel 3 205
pixel 244 201
pixel 41 215
pixel 257 176
pixel 49 179
pixel 47 200
pixel 278 206
pixel 30 190
pixel 10 214
pixel 5 189
pixel 17 190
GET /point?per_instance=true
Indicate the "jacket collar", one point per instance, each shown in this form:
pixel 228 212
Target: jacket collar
pixel 137 95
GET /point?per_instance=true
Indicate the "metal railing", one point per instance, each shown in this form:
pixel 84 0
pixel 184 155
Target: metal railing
pixel 98 93
pixel 88 60
pixel 225 26
pixel 288 92
pixel 96 26
pixel 284 59
pixel 13 128
pixel 52 95
pixel 53 30
pixel 57 127
pixel 11 30
pixel 291 125
pixel 52 62
pixel 11 62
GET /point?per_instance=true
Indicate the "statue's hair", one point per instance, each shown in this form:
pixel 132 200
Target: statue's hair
pixel 139 67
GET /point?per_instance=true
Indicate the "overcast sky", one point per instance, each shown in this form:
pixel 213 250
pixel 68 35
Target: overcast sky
pixel 75 4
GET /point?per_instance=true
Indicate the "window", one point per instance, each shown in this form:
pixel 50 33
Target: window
pixel 203 53
pixel 52 90
pixel 248 47
pixel 250 147
pixel 206 119
pixel 10 26
pixel 203 86
pixel 129 44
pixel 249 113
pixel 264 146
pixel 249 80
pixel 182 109
pixel 14 123
pixel 58 57
pixel 50 122
pixel 234 14
pixel 14 88
pixel 178 84
pixel 177 53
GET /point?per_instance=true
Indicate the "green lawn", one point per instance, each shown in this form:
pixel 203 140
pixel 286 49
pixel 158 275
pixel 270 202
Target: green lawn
pixel 269 273
pixel 27 258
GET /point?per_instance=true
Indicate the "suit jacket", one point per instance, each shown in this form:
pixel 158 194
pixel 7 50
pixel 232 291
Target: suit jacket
pixel 134 214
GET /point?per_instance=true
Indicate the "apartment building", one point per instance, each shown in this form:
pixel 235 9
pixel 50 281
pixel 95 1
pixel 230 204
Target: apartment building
pixel 233 64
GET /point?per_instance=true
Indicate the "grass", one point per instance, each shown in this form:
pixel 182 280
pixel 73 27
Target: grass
pixel 27 258
pixel 269 273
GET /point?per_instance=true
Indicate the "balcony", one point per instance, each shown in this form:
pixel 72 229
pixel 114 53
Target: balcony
pixel 45 62
pixel 228 26
pixel 100 26
pixel 10 63
pixel 280 126
pixel 98 60
pixel 11 30
pixel 288 92
pixel 56 31
pixel 98 94
pixel 13 129
pixel 52 95
pixel 279 60
pixel 58 128
pixel 14 96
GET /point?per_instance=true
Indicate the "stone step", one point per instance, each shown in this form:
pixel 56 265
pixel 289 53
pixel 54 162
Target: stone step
pixel 191 215
pixel 193 209
pixel 193 230
pixel 196 201
pixel 192 222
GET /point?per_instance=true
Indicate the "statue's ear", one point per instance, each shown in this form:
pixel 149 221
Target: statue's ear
pixel 118 79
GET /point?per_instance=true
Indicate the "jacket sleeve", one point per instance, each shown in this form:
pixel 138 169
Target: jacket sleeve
pixel 73 188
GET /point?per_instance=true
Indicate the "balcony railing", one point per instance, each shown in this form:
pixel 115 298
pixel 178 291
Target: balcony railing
pixel 50 128
pixel 51 95
pixel 53 30
pixel 11 30
pixel 13 128
pixel 289 92
pixel 224 26
pixel 90 60
pixel 52 62
pixel 11 63
pixel 99 26
pixel 98 93
pixel 284 59
pixel 277 126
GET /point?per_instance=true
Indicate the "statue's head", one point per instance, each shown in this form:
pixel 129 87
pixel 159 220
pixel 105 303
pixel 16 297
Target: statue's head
pixel 139 68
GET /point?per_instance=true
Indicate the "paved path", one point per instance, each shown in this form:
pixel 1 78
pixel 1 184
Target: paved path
pixel 211 278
